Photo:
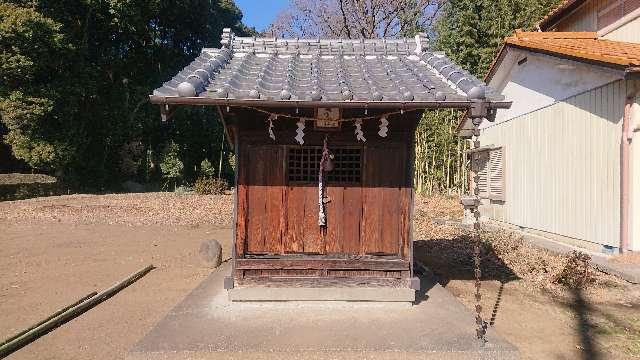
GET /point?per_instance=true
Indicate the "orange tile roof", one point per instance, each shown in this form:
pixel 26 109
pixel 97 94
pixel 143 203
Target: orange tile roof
pixel 583 46
pixel 558 11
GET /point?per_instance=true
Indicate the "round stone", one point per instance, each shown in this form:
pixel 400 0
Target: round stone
pixel 441 96
pixel 211 253
pixel 407 96
pixel 477 93
pixel 377 96
pixel 186 89
pixel 347 95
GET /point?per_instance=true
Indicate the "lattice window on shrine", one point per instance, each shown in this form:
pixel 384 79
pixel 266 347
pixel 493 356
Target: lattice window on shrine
pixel 303 164
pixel 489 167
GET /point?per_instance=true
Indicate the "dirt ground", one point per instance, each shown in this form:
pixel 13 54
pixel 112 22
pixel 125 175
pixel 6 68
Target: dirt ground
pixel 56 250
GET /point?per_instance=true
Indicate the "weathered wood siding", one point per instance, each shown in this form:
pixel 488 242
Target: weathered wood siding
pixel 562 166
pixel 584 18
pixel 280 217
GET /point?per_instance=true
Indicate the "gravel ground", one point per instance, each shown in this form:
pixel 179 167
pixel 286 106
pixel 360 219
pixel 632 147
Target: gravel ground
pixel 126 209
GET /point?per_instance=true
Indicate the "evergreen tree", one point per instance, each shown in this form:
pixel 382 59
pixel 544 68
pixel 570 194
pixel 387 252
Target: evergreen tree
pixel 206 169
pixel 75 76
pixel 172 167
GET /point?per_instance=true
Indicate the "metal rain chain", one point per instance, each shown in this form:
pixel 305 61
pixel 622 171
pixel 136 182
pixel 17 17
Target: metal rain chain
pixel 481 331
pixel 300 131
pixel 383 127
pixel 358 131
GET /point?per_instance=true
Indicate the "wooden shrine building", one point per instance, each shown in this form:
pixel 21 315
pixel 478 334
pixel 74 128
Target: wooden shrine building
pixel 323 132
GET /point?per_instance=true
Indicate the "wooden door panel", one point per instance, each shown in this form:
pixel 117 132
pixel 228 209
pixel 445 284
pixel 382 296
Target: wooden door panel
pixel 312 238
pixel 295 220
pixel 351 220
pixel 275 210
pixel 335 216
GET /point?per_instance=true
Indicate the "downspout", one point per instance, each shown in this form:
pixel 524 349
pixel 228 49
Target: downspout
pixel 625 171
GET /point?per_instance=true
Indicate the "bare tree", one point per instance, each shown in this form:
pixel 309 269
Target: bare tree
pixel 355 19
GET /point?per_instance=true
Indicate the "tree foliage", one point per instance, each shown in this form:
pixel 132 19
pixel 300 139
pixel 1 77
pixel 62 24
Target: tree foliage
pixel 75 76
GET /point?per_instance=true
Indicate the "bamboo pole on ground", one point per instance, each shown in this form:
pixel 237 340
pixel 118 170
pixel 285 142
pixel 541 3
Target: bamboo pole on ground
pixel 61 311
pixel 29 336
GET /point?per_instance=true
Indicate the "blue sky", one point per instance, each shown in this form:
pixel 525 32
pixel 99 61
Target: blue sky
pixel 260 13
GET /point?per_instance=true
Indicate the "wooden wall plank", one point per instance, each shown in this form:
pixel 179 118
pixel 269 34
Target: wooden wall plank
pixel 405 221
pixel 392 180
pixel 351 220
pixel 371 202
pixel 241 208
pixel 335 215
pixel 312 237
pixel 275 198
pixel 256 202
pixel 390 220
pixel 295 220
pixel 241 220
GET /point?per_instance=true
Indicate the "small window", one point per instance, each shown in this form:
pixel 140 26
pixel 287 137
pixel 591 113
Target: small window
pixel 490 170
pixel 303 165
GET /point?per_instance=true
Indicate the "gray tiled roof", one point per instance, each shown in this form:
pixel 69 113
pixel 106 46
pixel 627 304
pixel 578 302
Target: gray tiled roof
pixel 322 70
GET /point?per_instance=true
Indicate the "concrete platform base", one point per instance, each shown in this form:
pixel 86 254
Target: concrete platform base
pixel 206 325
pixel 380 294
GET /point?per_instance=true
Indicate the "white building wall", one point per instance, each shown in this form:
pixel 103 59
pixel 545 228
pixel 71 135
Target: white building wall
pixel 543 80
pixel 562 166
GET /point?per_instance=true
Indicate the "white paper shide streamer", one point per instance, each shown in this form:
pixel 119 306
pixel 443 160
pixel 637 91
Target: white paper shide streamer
pixel 300 137
pixel 383 127
pixel 271 118
pixel 358 132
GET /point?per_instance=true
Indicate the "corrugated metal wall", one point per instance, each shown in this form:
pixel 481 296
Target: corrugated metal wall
pixel 562 166
pixel 635 180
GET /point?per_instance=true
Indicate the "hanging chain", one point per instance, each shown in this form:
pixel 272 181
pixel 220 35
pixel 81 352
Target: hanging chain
pixel 477 242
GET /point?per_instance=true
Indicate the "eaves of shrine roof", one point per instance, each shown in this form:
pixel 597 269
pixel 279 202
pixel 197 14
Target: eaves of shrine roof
pixel 377 73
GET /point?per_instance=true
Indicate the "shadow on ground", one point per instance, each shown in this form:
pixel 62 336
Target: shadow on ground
pixel 443 260
pixel 452 259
